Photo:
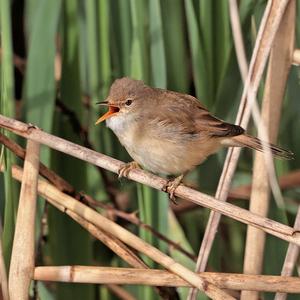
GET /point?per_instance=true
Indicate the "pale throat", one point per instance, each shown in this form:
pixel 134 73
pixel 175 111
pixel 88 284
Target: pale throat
pixel 121 124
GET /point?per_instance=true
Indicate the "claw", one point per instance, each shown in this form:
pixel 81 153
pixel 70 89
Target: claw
pixel 171 186
pixel 32 126
pixel 124 170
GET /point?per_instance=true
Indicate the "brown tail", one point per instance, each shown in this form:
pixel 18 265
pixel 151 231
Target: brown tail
pixel 256 144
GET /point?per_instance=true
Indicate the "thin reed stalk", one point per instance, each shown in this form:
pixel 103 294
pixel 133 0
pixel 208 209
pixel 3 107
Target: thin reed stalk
pixel 22 258
pixel 238 38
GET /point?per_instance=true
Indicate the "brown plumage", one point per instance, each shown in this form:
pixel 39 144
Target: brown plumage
pixel 169 132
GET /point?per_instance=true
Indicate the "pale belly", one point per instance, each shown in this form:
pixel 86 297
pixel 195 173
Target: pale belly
pixel 161 155
pixel 169 158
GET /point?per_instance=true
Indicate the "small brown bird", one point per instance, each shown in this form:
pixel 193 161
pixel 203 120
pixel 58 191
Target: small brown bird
pixel 167 132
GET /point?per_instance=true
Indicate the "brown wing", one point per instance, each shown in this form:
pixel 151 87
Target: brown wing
pixel 215 127
pixel 197 118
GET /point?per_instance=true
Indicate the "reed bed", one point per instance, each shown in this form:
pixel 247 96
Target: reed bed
pixel 129 244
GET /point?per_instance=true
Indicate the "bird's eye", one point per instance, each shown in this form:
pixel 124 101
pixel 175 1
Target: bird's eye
pixel 128 102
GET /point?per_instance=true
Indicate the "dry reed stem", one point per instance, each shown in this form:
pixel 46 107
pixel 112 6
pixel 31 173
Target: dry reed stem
pixel 48 191
pixel 243 192
pixel 3 275
pixel 268 27
pixel 106 275
pixel 278 70
pixel 22 257
pixel 277 229
pixel 238 38
pixel 290 259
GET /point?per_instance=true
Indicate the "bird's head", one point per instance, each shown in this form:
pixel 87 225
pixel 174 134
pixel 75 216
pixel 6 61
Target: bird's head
pixel 125 97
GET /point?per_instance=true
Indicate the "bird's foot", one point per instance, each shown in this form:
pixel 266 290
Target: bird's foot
pixel 125 169
pixel 171 186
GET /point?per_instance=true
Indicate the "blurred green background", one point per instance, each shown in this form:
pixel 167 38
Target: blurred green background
pixel 60 57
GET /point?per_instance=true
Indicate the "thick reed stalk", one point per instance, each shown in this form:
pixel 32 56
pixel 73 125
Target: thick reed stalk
pixel 106 275
pixel 22 258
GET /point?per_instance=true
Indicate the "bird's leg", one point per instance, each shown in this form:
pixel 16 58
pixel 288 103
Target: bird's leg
pixel 125 169
pixel 171 186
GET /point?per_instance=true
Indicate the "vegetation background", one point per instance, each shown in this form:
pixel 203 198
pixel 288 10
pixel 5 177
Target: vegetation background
pixel 62 56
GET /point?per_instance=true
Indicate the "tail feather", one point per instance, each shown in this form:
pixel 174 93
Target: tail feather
pixel 257 144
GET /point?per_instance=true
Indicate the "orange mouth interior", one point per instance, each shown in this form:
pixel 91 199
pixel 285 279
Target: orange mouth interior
pixel 111 111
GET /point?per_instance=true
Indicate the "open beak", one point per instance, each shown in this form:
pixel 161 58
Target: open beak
pixel 111 111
